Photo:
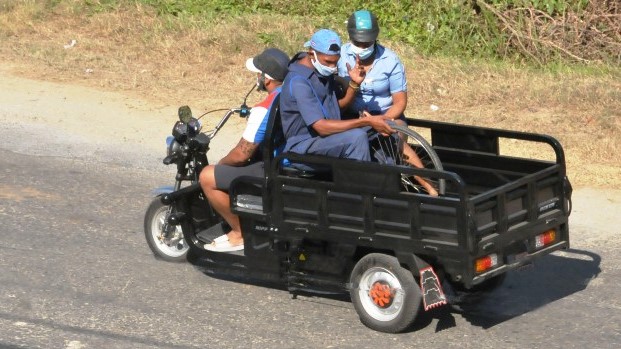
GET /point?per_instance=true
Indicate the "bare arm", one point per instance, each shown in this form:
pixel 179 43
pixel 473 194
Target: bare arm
pixel 399 102
pixel 239 155
pixel 326 127
pixel 350 94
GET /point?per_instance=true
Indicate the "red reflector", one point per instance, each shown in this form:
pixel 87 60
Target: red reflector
pixel 544 239
pixel 486 263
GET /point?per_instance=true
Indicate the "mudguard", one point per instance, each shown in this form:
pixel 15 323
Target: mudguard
pixel 167 189
pixel 433 295
pixel 430 285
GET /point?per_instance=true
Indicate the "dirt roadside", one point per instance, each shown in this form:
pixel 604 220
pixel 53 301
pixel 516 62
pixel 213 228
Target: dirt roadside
pixel 71 121
pixel 86 122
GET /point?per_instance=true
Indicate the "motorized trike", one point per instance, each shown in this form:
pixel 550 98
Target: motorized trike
pixel 319 224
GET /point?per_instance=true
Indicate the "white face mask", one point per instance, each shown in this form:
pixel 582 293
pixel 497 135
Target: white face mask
pixel 322 69
pixel 363 53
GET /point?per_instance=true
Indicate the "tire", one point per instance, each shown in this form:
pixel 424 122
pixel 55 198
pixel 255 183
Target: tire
pixel 394 311
pixel 173 250
pixel 386 151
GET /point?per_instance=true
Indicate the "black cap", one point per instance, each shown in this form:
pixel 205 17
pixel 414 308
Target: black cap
pixel 362 26
pixel 272 62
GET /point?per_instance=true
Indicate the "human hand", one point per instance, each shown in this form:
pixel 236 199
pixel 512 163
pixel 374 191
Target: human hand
pixel 357 73
pixel 380 125
pixel 364 114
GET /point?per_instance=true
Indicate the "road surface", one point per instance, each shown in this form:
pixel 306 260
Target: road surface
pixel 76 170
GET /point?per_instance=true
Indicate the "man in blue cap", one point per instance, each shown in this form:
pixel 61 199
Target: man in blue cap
pixel 310 110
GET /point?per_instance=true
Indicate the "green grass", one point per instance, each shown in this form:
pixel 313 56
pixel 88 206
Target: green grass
pixel 452 28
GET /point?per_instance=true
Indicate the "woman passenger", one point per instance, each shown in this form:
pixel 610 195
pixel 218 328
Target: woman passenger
pixel 384 89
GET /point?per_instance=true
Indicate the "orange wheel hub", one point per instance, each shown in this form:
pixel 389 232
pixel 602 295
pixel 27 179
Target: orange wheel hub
pixel 381 294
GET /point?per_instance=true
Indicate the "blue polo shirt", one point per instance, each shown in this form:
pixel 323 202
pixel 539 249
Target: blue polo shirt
pixel 386 76
pixel 306 97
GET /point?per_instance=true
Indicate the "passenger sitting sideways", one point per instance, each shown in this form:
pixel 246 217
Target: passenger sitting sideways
pixel 310 111
pixel 271 69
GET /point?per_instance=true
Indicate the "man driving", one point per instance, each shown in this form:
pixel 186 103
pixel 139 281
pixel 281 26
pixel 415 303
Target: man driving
pixel 271 69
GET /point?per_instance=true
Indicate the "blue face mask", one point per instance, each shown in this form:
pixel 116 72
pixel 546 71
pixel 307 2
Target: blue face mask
pixel 363 53
pixel 322 69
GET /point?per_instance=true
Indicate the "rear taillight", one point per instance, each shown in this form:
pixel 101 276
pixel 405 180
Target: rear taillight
pixel 486 263
pixel 545 238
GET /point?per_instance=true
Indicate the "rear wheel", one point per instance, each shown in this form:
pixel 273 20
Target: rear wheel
pixel 385 295
pixel 408 148
pixel 169 246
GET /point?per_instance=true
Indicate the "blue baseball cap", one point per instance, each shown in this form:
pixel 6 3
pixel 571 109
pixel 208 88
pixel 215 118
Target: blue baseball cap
pixel 325 41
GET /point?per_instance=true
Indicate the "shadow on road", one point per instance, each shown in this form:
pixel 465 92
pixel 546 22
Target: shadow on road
pixel 554 277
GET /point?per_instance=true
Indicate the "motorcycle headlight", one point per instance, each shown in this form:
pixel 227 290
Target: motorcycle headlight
pixel 194 127
pixel 172 146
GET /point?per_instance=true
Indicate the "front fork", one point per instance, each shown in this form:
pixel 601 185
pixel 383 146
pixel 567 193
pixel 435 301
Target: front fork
pixel 170 220
pixel 167 229
pixel 185 172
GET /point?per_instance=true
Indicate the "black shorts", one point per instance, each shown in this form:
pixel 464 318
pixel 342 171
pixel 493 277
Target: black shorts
pixel 225 174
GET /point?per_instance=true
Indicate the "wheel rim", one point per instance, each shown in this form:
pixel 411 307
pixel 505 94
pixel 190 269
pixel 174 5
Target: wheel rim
pixel 177 249
pixel 381 294
pixel 389 151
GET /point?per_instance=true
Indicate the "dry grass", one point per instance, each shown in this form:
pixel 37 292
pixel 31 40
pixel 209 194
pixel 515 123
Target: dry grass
pixel 167 62
pixel 592 35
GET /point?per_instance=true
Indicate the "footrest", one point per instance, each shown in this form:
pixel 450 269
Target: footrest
pixel 213 232
pixel 249 202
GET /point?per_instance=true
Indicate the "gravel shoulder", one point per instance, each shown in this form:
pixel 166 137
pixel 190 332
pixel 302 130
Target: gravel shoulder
pixel 86 123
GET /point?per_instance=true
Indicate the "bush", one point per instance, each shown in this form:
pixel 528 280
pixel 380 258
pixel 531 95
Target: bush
pixel 539 31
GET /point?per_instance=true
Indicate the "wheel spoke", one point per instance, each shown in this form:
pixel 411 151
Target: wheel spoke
pixel 157 230
pixel 390 151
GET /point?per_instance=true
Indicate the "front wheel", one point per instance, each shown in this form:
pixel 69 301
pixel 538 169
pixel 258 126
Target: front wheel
pixel 385 295
pixel 165 241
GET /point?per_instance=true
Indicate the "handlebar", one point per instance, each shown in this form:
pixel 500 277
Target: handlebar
pixel 224 119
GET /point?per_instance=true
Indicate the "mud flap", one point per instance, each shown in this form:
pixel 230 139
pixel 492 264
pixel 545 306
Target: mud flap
pixel 433 295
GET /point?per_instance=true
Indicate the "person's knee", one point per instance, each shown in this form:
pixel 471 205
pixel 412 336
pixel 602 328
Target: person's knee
pixel 358 136
pixel 207 178
pixel 358 145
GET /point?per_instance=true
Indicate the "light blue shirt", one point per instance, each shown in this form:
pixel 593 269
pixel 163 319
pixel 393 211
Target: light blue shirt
pixel 386 76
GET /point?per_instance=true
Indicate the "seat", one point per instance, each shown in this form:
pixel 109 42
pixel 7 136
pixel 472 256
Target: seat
pixel 275 133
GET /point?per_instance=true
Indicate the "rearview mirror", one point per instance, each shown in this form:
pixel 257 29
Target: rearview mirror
pixel 185 114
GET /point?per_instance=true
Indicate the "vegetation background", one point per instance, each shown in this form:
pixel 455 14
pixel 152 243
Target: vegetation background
pixel 550 66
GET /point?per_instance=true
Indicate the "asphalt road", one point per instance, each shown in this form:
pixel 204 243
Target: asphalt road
pixel 76 273
pixel 76 170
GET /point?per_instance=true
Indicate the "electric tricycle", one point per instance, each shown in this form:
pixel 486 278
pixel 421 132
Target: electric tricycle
pixel 316 224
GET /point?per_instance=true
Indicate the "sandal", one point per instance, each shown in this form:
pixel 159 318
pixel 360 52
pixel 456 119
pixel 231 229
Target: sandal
pixel 221 238
pixel 223 246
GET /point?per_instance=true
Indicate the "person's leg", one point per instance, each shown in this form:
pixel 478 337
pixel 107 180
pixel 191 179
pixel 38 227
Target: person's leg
pixel 220 202
pixel 351 144
pixel 410 156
